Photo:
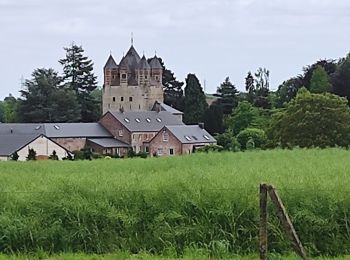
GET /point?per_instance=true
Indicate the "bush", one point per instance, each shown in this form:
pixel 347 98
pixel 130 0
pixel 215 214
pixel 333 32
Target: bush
pixel 228 141
pixel 14 156
pixel 84 154
pixel 143 155
pixel 31 155
pixel 210 148
pixel 256 138
pixel 53 156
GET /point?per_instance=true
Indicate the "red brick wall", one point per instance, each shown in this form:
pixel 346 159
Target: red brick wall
pixel 113 126
pixel 158 142
pixel 71 144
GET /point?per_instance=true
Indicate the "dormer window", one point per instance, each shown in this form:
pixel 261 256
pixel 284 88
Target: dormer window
pixel 138 120
pixel 159 120
pixel 127 120
pixel 56 127
pixel 120 132
pixel 188 138
pixel 148 120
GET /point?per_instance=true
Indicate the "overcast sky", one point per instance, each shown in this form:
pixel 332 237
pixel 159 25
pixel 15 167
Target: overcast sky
pixel 211 38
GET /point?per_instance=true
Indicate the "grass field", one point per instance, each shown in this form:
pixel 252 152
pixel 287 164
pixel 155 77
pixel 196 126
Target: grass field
pixel 170 206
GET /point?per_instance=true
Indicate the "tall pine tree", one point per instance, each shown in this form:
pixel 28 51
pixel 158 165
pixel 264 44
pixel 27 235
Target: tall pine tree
pixel 227 96
pixel 78 76
pixel 195 101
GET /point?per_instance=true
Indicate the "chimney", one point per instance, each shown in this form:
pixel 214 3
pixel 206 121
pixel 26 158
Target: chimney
pixel 201 125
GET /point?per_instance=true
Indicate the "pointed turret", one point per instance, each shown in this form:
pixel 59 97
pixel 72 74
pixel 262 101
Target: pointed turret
pixel 111 64
pixel 156 69
pixel 144 71
pixel 155 64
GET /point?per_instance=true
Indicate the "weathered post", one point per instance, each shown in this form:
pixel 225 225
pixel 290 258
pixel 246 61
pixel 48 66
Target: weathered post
pixel 263 222
pixel 287 224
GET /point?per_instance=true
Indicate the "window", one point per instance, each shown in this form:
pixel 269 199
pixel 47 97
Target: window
pixel 194 138
pixel 148 120
pixel 206 137
pixel 123 76
pixel 121 99
pixel 160 151
pixel 145 76
pixel 171 151
pixel 139 106
pixel 113 99
pixel 165 136
pixel 130 99
pixel 137 120
pixel 159 120
pixel 56 127
pixel 157 78
pixel 120 132
pixel 188 138
pixel 147 149
pixel 127 120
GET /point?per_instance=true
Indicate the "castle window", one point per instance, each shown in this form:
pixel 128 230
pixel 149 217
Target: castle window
pixel 130 99
pixel 123 76
pixel 113 99
pixel 122 99
pixel 157 78
pixel 139 106
pixel 145 76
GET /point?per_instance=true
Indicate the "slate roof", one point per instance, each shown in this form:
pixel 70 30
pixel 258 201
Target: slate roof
pixel 111 64
pixel 52 130
pixel 165 107
pixel 147 121
pixel 143 64
pixel 155 64
pixel 75 130
pixel 131 59
pixel 189 134
pixel 10 143
pixel 108 143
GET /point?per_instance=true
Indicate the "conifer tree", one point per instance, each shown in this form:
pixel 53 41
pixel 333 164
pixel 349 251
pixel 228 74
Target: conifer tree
pixel 320 82
pixel 228 98
pixel 195 101
pixel 78 75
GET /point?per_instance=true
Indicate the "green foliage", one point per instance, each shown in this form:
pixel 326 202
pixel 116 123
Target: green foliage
pixel 341 78
pixel 206 202
pixel 227 96
pixel 9 110
pixel 210 148
pixel 245 115
pixel 228 141
pixel 44 100
pixel 254 137
pixel 258 88
pixel 78 76
pixel 321 120
pixel 320 81
pixel 31 155
pixel 213 119
pixel 195 101
pixel 85 154
pixel 288 90
pixel 14 156
pixel 53 156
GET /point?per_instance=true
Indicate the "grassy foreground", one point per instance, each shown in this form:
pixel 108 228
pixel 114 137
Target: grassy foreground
pixel 170 206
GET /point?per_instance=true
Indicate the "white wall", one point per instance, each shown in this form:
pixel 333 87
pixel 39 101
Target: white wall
pixel 42 146
pixel 4 158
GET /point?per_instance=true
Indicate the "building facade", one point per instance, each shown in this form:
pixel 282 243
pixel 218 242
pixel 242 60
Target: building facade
pixel 132 85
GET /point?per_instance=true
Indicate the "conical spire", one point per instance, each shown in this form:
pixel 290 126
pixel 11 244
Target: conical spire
pixel 143 64
pixel 155 64
pixel 110 64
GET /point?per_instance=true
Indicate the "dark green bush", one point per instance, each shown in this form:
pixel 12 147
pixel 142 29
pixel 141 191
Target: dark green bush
pixel 257 136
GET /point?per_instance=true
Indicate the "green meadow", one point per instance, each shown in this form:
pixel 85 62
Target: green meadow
pixel 171 207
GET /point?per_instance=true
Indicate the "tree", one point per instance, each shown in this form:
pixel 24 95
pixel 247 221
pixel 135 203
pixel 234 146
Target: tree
pixel 262 85
pixel 320 81
pixel 228 141
pixel 245 115
pixel 213 119
pixel 78 76
pixel 288 90
pixel 43 99
pixel 31 155
pixel 309 120
pixel 195 101
pixel 341 78
pixel 328 65
pixel 227 96
pixel 173 93
pixel 250 87
pixel 9 109
pixel 254 135
pixel 53 156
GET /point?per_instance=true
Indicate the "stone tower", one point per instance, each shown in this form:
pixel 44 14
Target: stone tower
pixel 133 85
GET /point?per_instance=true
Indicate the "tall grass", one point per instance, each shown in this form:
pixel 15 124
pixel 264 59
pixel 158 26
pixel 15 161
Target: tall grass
pixel 170 205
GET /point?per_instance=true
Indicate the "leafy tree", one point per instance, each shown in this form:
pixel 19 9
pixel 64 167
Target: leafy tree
pixel 245 115
pixel 227 96
pixel 328 65
pixel 228 141
pixel 319 120
pixel 213 119
pixel 78 76
pixel 31 155
pixel 195 101
pixel 250 87
pixel 288 90
pixel 254 137
pixel 320 81
pixel 341 78
pixel 173 93
pixel 43 99
pixel 10 110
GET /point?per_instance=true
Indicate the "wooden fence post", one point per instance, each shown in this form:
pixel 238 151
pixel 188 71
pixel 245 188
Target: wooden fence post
pixel 287 224
pixel 263 222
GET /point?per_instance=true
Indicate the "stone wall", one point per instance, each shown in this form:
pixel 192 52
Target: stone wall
pixel 162 147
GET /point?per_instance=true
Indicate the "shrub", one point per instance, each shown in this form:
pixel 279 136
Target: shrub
pixel 257 136
pixel 14 156
pixel 53 156
pixel 31 155
pixel 142 155
pixel 210 148
pixel 228 141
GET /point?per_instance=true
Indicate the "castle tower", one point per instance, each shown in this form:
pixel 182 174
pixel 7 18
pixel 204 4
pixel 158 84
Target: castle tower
pixel 133 85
